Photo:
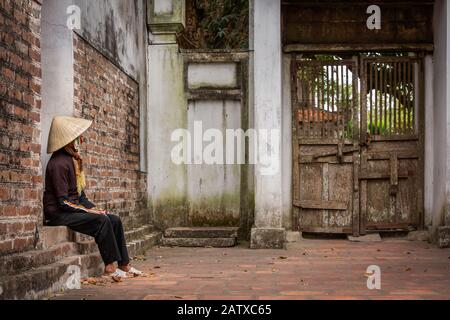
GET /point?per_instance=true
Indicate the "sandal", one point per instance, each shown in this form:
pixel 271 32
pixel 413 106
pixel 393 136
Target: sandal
pixel 135 272
pixel 118 275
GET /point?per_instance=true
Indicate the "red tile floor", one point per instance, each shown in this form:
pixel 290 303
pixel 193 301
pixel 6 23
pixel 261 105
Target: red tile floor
pixel 310 269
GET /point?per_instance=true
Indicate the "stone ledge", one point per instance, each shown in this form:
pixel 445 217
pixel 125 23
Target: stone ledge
pixel 201 232
pixel 268 238
pixel 372 237
pixel 419 235
pixel 199 242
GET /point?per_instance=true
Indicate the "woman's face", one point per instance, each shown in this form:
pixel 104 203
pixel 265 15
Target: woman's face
pixel 77 143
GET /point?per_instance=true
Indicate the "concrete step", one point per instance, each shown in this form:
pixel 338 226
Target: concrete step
pixel 19 262
pixel 87 246
pixel 135 247
pixel 201 232
pixel 199 242
pixel 51 236
pixel 43 281
pixel 138 247
pixel 130 235
pixel 139 233
pixel 373 237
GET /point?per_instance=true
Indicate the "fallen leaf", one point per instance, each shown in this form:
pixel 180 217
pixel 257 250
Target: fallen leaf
pixel 368 274
pixel 92 281
pixel 408 269
pixel 157 267
pixel 282 258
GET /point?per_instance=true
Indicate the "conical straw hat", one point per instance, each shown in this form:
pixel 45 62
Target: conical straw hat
pixel 64 130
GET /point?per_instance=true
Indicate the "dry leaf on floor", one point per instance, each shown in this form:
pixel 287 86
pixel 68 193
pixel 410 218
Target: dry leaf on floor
pixel 282 258
pixel 91 280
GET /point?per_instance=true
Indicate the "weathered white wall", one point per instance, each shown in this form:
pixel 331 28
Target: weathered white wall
pixel 118 29
pixel 167 111
pixel 214 190
pixel 441 115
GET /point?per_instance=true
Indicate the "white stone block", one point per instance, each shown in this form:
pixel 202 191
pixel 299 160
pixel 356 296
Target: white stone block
pixel 163 7
pixel 212 75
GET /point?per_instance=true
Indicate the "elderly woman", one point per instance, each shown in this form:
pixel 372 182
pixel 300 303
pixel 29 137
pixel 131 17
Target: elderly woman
pixel 65 201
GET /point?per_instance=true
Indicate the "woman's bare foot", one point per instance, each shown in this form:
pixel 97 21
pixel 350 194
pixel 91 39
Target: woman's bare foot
pixel 110 268
pixel 125 268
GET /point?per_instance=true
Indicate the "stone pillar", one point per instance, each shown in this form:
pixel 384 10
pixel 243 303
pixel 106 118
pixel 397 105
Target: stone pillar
pixel 167 111
pixel 57 67
pixel 441 186
pixel 265 20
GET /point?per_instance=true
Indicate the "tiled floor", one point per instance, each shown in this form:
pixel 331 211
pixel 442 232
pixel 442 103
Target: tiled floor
pixel 310 269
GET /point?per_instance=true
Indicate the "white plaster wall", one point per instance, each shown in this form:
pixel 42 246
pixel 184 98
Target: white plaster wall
pixel 167 111
pixel 118 29
pixel 115 28
pixel 214 187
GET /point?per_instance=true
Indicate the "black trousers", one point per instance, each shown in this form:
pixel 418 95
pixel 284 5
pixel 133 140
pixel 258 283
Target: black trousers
pixel 106 229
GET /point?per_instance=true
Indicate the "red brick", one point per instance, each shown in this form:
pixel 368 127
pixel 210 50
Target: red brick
pixel 6 246
pixel 8 73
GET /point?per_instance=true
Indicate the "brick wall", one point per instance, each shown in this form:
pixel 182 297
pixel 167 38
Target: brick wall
pixel 108 96
pixel 20 104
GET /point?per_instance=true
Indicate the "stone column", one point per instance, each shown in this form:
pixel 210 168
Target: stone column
pixel 57 68
pixel 167 111
pixel 265 42
pixel 440 228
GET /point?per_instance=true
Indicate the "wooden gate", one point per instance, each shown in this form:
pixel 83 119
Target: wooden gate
pixel 357 146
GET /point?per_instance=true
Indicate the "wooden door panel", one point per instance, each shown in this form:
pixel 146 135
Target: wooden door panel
pixel 326 142
pixel 392 138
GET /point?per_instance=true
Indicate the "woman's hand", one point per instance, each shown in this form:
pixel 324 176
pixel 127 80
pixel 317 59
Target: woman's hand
pixel 94 211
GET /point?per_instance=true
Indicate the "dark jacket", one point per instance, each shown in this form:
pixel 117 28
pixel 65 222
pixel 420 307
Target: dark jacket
pixel 61 186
